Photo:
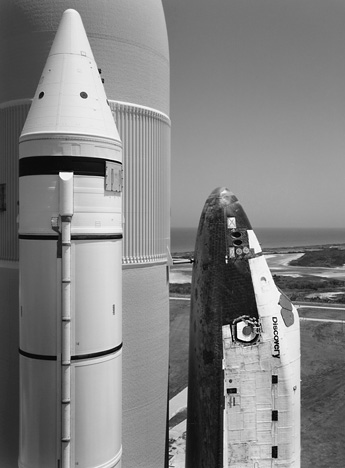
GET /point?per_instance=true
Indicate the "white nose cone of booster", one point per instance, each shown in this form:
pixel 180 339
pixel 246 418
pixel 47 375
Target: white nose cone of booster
pixel 70 241
pixel 70 97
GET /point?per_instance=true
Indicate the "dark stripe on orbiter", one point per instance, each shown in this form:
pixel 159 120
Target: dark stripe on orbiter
pixel 74 237
pixel 77 357
pixel 80 165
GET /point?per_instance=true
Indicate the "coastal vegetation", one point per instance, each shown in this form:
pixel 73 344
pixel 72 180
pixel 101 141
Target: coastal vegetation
pixel 328 257
pixel 180 288
pixel 300 288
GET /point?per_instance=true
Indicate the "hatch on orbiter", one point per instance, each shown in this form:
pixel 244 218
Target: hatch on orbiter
pixel 245 329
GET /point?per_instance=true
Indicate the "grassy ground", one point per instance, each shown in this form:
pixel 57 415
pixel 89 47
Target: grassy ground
pixel 297 289
pixel 179 341
pixel 323 395
pixel 323 383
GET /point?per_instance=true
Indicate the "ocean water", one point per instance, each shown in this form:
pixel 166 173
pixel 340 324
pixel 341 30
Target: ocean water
pixel 183 239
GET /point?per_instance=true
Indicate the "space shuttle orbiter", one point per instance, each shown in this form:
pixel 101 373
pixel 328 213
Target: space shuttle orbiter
pixel 244 357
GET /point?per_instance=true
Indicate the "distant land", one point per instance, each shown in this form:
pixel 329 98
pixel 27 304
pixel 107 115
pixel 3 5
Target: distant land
pixel 297 288
pixel 326 256
pixel 334 250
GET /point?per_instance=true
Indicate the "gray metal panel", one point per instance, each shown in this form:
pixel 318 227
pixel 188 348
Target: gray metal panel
pixel 9 367
pixel 145 365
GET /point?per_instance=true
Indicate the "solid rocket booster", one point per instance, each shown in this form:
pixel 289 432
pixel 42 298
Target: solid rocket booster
pixel 244 357
pixel 70 235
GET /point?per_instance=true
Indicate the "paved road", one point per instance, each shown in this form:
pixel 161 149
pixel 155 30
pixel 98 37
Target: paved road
pixel 321 312
pixel 299 305
pixel 318 305
pixel 309 319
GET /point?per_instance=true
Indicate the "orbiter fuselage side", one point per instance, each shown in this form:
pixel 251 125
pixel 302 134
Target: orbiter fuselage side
pixel 244 357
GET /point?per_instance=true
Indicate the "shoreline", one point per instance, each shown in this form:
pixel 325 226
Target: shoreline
pixel 276 250
pixel 298 280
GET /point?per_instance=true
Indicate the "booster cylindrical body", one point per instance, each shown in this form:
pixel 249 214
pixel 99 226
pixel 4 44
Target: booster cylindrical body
pixel 96 320
pixel 70 241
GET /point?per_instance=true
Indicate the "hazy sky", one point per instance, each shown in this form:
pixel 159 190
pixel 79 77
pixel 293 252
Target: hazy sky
pixel 258 105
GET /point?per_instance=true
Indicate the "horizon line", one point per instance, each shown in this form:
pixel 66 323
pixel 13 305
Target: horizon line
pixel 271 227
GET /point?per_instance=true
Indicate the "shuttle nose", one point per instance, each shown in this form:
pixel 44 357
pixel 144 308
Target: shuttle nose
pixel 222 195
pixel 225 199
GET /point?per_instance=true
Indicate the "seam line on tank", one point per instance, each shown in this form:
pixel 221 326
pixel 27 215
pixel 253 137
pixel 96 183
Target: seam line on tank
pixel 74 237
pixel 77 357
pixel 41 357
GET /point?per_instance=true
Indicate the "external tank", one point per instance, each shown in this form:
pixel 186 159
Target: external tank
pixel 129 42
